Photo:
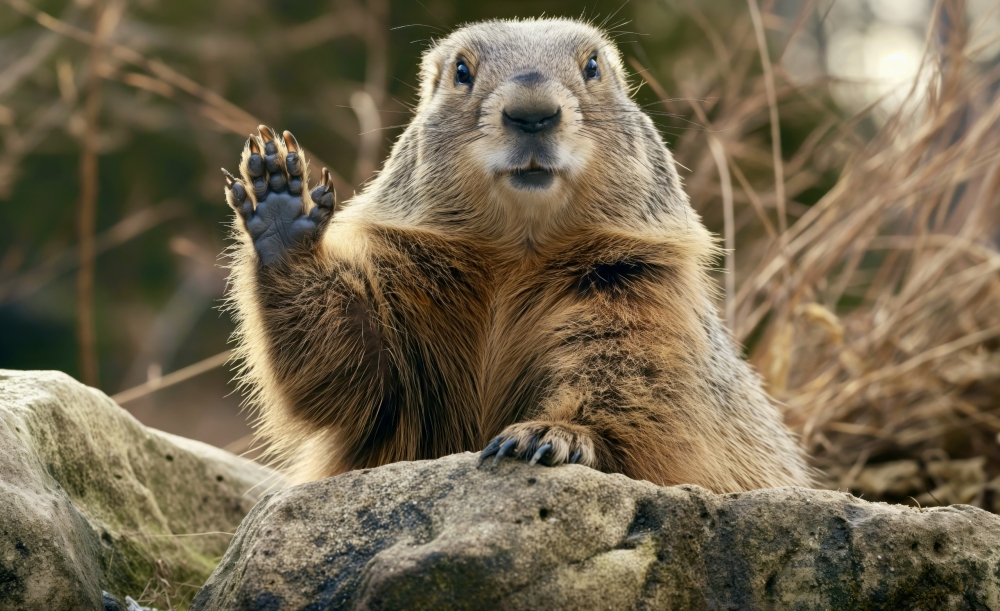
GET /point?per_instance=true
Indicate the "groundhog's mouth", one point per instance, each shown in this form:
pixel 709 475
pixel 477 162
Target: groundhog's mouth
pixel 533 177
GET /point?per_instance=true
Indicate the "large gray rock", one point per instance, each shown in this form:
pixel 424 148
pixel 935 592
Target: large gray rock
pixel 445 535
pixel 92 500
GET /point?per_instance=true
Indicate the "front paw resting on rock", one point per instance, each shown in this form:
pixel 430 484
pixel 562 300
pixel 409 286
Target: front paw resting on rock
pixel 540 442
pixel 271 197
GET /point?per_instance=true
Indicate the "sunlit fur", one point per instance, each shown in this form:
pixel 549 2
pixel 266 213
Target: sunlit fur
pixel 444 306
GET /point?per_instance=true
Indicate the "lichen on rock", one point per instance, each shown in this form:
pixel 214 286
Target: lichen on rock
pixel 92 500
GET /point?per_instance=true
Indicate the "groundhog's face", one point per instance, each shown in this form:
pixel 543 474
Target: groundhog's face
pixel 524 110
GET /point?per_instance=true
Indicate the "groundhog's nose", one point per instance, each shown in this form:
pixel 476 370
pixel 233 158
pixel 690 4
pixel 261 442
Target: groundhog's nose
pixel 532 117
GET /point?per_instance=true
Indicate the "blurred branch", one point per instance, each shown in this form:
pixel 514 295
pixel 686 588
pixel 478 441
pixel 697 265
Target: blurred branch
pixel 105 20
pixel 235 125
pixel 370 137
pixel 240 446
pixel 27 63
pixel 216 108
pixel 18 144
pixel 806 12
pixel 719 154
pixel 772 102
pixel 202 283
pixel 718 45
pixel 753 197
pixel 377 41
pixel 125 54
pixel 131 226
pixel 367 104
pixel 348 19
pixel 171 379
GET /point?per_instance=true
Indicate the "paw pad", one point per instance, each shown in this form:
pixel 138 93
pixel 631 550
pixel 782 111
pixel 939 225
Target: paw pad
pixel 268 197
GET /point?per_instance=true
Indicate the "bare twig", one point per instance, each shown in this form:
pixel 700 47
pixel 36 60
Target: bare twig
pixel 370 139
pixel 367 104
pixel 347 19
pixel 27 283
pixel 25 65
pixel 172 379
pixel 772 103
pixel 105 20
pixel 40 124
pixel 729 231
pixel 130 56
pixel 217 108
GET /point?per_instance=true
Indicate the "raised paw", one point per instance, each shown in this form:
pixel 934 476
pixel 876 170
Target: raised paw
pixel 546 443
pixel 271 198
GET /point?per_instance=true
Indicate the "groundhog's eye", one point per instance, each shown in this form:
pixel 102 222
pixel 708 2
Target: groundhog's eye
pixel 462 74
pixel 590 71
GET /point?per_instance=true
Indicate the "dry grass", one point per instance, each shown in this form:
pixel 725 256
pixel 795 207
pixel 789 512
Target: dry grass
pixel 875 317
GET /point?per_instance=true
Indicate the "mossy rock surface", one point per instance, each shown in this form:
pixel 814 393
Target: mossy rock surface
pixel 92 500
pixel 445 534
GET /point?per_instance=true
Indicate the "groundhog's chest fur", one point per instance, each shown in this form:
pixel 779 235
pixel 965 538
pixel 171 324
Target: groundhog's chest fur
pixel 510 321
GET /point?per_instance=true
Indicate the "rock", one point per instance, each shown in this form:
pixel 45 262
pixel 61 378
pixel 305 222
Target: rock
pixel 92 500
pixel 445 535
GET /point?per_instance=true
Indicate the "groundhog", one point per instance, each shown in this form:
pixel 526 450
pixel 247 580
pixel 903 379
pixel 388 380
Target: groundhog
pixel 524 275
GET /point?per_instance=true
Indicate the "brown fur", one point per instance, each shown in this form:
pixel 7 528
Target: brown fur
pixel 441 308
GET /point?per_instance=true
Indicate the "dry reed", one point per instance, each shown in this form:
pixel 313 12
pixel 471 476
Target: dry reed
pixel 875 318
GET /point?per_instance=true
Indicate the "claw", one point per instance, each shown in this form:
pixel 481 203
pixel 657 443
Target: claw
pixel 290 142
pixel 575 457
pixel 540 453
pixel 488 451
pixel 293 165
pixel 266 133
pixel 255 163
pixel 324 199
pixel 240 202
pixel 239 192
pixel 324 195
pixel 507 445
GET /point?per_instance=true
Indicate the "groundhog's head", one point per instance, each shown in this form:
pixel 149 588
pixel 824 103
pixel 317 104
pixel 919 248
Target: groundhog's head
pixel 536 117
